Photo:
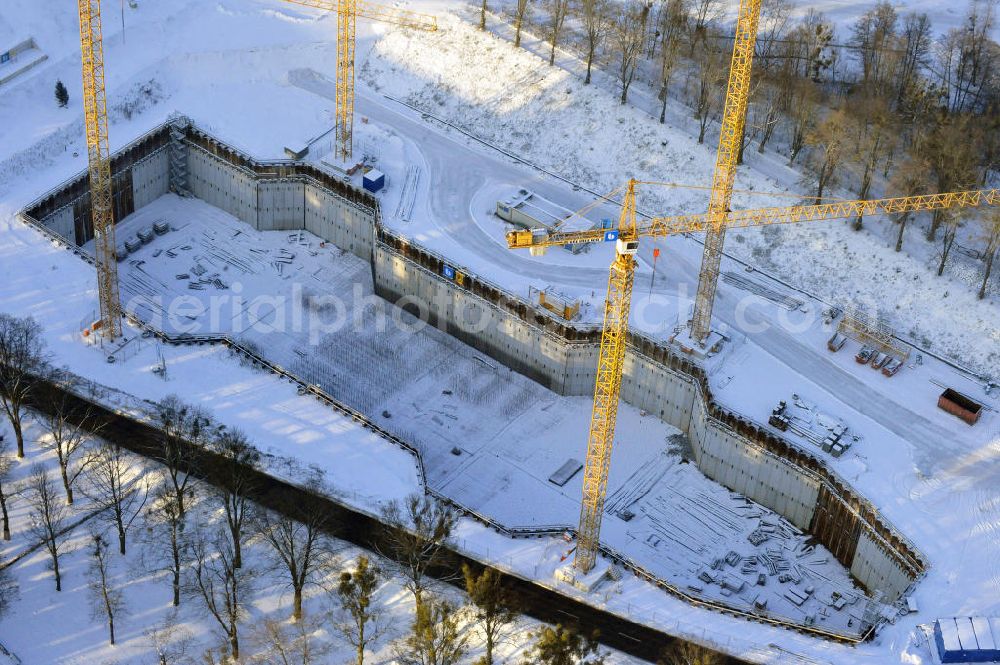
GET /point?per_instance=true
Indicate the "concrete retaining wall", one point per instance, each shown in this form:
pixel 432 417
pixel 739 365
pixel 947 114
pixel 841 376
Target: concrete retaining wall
pixel 150 178
pixel 728 448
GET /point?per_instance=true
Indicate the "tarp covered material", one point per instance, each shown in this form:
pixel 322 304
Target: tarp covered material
pixel 566 471
pixel 968 639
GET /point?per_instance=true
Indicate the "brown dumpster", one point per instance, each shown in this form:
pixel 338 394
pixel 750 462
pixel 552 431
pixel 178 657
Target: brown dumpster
pixel 959 405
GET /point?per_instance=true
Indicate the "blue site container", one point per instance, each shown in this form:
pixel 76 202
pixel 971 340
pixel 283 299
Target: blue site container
pixel 968 639
pixel 373 181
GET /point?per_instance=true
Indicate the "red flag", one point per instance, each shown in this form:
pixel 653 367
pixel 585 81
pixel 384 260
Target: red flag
pixel 656 252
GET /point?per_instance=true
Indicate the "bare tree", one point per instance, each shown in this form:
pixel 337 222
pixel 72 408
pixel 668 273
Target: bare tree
pixel 827 141
pixel 520 14
pixel 237 482
pixel 69 428
pixel 674 20
pixel 281 644
pixel 482 15
pixel 594 14
pixel 628 33
pixel 951 222
pixel 108 600
pixel 766 113
pixel 22 359
pixel 298 544
pixel 168 550
pixel 967 58
pixel 704 13
pixel 871 123
pixel 435 638
pixel 915 43
pixel 874 39
pixel 492 607
pixel 181 424
pixel 991 246
pixel 707 91
pixel 47 516
pixel 803 105
pixel 418 529
pixel 909 179
pixel 557 18
pixel 775 15
pixel 6 464
pixel 113 484
pixel 950 150
pixel 359 619
pixel 171 643
pixel 221 585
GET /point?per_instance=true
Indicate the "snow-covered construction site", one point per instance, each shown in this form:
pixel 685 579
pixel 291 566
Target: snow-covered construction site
pixel 787 446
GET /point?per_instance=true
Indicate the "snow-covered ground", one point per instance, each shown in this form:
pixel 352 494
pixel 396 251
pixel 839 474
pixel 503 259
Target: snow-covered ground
pixel 489 437
pixel 45 626
pixel 513 99
pixel 231 66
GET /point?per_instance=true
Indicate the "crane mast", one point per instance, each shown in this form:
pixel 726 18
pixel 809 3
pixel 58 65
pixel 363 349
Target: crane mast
pixel 617 306
pixel 346 30
pixel 730 140
pixel 96 124
pixel 607 387
pixel 99 166
pixel 348 12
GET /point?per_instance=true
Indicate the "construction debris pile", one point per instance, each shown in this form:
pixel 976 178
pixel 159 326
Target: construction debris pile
pixel 718 545
pixel 822 430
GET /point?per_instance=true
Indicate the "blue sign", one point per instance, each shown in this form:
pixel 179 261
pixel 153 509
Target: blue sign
pixel 448 272
pixel 610 236
pixel 4 57
pixel 605 223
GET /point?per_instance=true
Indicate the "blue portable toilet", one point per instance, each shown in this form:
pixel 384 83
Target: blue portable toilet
pixel 373 181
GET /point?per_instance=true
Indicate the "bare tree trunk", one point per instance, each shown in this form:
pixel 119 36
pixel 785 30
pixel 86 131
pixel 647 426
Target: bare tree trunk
pixel 936 220
pixel 177 580
pixel 559 10
pixel 121 538
pixel 590 63
pixel 949 240
pixel 520 12
pixel 866 185
pixel 65 481
pixel 15 422
pixel 297 603
pixel 902 227
pixel 6 518
pixel 770 122
pixel 482 16
pixel 988 270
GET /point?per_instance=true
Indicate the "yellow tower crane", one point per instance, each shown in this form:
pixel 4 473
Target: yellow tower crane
pixel 348 11
pixel 607 387
pixel 626 237
pixel 96 123
pixel 99 166
pixel 730 139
